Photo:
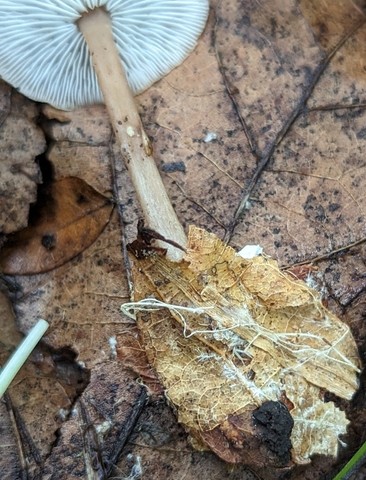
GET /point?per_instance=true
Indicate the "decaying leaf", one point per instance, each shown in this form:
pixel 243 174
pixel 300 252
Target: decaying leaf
pixel 21 141
pixel 245 352
pixel 31 412
pixel 80 300
pixel 101 421
pixel 70 216
pixel 9 464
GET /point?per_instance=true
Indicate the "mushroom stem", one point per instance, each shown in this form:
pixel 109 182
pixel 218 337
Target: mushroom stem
pixel 135 145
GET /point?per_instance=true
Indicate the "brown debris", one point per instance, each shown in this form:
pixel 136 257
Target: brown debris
pixel 99 425
pixel 21 141
pixel 69 217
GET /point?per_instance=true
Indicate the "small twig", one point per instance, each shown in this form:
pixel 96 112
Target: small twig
pixel 26 446
pixel 18 436
pixel 231 92
pixel 333 107
pixel 325 256
pixel 297 111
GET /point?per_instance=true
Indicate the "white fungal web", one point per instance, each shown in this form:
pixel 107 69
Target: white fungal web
pixel 136 469
pixel 295 343
pixel 236 328
pixel 231 365
pixel 150 304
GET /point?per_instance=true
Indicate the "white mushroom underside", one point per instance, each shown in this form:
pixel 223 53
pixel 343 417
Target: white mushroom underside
pixel 43 54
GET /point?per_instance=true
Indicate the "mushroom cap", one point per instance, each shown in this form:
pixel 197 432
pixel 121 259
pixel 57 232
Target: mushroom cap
pixel 44 55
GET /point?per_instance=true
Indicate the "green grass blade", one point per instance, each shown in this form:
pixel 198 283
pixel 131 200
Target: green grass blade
pixel 18 358
pixel 350 466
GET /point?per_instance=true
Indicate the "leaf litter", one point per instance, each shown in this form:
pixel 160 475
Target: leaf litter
pixel 21 141
pixel 175 115
pixel 69 216
pixel 241 333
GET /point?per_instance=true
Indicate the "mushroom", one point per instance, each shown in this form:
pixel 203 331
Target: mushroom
pixel 71 53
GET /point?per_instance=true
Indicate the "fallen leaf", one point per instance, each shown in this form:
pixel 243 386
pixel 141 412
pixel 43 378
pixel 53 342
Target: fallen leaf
pixel 241 335
pixel 161 449
pixel 69 216
pixel 21 141
pixel 99 425
pixel 298 68
pixel 42 392
pixel 81 301
pixel 259 138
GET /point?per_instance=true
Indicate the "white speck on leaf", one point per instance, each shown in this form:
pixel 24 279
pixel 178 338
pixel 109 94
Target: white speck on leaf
pixel 209 137
pixel 250 251
pixel 103 428
pixel 136 470
pixel 130 131
pixel 113 344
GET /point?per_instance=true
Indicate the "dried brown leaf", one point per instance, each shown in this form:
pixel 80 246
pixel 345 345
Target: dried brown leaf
pixel 259 111
pixel 298 70
pixel 80 300
pixel 21 141
pixel 69 216
pixel 99 426
pixel 247 334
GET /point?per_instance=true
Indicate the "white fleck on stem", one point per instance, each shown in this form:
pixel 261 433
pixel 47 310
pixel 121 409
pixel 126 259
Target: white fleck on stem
pixel 135 146
pixel 18 358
